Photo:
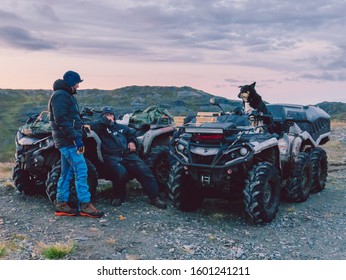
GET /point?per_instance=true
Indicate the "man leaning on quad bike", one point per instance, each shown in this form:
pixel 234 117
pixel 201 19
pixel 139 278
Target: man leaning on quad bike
pixel 37 168
pixel 119 152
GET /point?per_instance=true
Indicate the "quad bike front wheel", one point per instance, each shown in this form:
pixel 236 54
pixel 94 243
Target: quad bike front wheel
pixel 182 190
pixel 299 185
pixel 24 182
pixel 53 178
pixel 262 192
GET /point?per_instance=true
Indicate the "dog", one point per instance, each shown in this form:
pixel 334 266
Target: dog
pixel 251 99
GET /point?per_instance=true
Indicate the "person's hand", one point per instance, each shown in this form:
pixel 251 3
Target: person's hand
pixel 79 145
pixel 109 117
pixel 132 147
pixel 105 118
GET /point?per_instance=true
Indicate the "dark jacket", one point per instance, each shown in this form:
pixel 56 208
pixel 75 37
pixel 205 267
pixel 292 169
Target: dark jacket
pixel 64 118
pixel 114 137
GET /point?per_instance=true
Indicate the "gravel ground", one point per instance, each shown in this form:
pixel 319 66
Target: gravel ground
pixel 219 230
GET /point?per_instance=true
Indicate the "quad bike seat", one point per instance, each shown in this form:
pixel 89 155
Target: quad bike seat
pixel 140 129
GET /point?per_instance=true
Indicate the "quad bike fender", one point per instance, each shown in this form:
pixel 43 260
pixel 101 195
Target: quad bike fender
pixel 307 138
pixel 322 139
pixel 269 148
pixel 152 134
pixel 295 147
pixel 258 147
pixel 92 134
pixel 28 141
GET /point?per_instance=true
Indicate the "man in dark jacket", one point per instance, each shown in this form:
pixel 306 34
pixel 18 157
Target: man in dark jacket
pixel 121 160
pixel 66 127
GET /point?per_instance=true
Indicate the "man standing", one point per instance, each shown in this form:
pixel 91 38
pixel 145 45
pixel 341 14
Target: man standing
pixel 66 127
pixel 120 159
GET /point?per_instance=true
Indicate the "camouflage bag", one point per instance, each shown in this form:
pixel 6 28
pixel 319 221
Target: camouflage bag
pixel 151 115
pixel 39 127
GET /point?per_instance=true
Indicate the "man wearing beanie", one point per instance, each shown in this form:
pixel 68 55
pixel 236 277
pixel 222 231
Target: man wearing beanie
pixel 66 127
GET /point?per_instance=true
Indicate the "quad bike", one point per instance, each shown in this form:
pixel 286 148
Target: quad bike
pixel 37 167
pixel 240 157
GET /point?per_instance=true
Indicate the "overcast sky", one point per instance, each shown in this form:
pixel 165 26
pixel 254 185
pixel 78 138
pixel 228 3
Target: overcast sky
pixel 294 50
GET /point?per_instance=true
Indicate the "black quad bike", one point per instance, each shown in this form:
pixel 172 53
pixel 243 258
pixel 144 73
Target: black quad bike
pixel 37 167
pixel 238 156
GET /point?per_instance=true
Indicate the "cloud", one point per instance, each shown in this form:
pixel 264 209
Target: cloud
pixel 268 34
pixel 7 15
pixel 20 38
pixel 46 11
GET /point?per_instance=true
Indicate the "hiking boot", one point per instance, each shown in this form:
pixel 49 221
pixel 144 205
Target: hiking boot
pixel 117 202
pixel 88 210
pixel 63 209
pixel 158 202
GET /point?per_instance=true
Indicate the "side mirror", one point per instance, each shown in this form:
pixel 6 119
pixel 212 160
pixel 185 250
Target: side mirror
pixel 214 101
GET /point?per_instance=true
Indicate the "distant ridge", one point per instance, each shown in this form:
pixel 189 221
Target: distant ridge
pixel 337 110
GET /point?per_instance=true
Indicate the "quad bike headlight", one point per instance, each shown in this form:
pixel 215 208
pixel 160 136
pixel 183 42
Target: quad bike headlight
pixel 243 151
pixel 180 147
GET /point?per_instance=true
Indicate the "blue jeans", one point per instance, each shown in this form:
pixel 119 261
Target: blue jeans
pixel 73 165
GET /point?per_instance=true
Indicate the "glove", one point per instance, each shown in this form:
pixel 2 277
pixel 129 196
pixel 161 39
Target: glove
pixel 239 111
pixel 79 145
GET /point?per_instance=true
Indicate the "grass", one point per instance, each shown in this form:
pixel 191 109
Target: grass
pixel 57 251
pixel 3 250
pixel 6 170
pixel 11 245
pixel 52 252
pixel 336 124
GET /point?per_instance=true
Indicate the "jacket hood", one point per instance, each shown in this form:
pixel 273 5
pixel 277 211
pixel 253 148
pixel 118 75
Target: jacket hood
pixel 72 78
pixel 61 84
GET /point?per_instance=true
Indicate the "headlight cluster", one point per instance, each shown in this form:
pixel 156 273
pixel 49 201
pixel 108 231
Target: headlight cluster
pixel 242 152
pixel 181 149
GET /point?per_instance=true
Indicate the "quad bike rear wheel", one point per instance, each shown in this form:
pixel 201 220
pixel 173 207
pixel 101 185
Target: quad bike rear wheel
pixel 53 178
pixel 25 182
pixel 160 162
pixel 182 191
pixel 299 185
pixel 319 167
pixel 262 192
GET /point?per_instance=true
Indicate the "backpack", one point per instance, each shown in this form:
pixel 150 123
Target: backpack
pixel 151 115
pixel 38 127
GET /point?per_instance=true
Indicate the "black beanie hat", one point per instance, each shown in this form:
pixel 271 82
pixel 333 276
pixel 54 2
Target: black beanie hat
pixel 72 78
pixel 107 110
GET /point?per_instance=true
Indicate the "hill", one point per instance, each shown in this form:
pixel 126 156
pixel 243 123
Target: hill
pixel 17 105
pixel 337 110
